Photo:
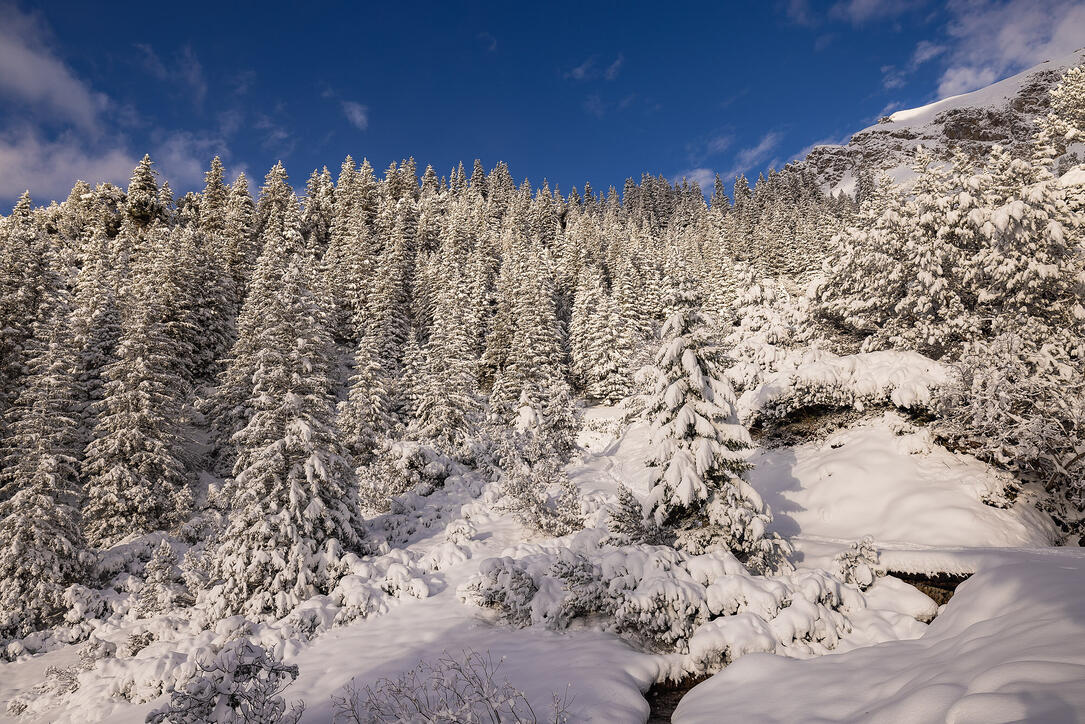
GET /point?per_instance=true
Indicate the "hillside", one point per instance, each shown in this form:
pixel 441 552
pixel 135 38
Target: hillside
pixel 1002 113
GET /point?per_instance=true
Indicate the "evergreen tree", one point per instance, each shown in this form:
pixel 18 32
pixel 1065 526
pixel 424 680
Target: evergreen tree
pixel 698 443
pixel 448 406
pixel 295 509
pixel 136 476
pixel 162 588
pixel 366 416
pixel 41 544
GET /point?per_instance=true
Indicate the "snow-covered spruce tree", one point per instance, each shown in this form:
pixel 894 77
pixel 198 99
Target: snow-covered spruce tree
pixel 41 542
pixel 535 371
pixel 162 589
pixel 448 409
pixel 931 315
pixel 227 409
pixel 238 241
pixel 697 488
pixel 1065 122
pixel 610 374
pixel 1029 267
pixel 586 299
pixel 365 417
pixel 21 250
pixel 96 322
pixel 294 504
pixel 862 277
pixel 134 469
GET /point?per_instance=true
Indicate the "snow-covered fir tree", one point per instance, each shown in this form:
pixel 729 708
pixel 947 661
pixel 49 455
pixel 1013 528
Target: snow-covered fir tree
pixel 42 550
pixel 294 493
pixel 697 486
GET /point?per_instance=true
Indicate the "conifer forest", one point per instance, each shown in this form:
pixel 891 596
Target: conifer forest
pixel 423 444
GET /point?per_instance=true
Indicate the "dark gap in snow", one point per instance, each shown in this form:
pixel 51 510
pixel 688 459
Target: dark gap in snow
pixel 939 586
pixel 663 697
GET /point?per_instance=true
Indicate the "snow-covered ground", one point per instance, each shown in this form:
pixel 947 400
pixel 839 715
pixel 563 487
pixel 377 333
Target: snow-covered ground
pixel 1008 645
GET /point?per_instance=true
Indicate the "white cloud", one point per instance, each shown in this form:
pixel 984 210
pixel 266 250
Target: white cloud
pixel 49 168
pixel 614 68
pixel 747 158
pixel 703 177
pixel 719 144
pixel 582 71
pixel 34 76
pixel 924 51
pixel 357 114
pixel 992 39
pixel 185 70
pixel 860 12
pixel 594 105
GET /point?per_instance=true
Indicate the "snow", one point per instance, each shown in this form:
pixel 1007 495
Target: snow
pixel 992 96
pixel 888 479
pixel 1073 177
pixel 1006 648
pixel 881 477
pixel 907 379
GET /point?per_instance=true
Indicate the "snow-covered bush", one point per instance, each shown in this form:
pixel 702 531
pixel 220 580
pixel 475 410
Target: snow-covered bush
pixel 1020 408
pixel 161 583
pixel 627 522
pixel 666 599
pixel 399 466
pixel 505 585
pixel 242 683
pixel 531 472
pixel 463 688
pixel 859 563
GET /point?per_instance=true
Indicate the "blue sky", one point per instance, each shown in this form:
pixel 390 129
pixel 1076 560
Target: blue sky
pixel 562 91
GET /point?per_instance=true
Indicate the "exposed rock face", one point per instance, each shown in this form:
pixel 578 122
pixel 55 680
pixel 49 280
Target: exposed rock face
pixel 1003 113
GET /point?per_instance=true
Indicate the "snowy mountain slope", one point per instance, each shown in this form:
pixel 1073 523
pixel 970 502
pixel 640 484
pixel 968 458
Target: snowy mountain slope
pixel 889 483
pixel 1001 113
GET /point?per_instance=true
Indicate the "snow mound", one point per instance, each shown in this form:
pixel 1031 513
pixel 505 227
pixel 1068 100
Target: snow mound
pixel 905 379
pixel 890 480
pixel 1008 647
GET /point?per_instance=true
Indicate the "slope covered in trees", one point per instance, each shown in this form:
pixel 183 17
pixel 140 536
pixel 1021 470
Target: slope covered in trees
pixel 229 415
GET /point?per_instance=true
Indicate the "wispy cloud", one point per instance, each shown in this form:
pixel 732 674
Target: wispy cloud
pixel 488 41
pixel 756 155
pixel 991 39
pixel 33 75
pixel 705 178
pixel 184 70
pixel 719 144
pixel 582 71
pixel 614 68
pixel 275 136
pixel 855 12
pixel 590 70
pixel 861 12
pixel 897 77
pixel 356 113
pixel 594 105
